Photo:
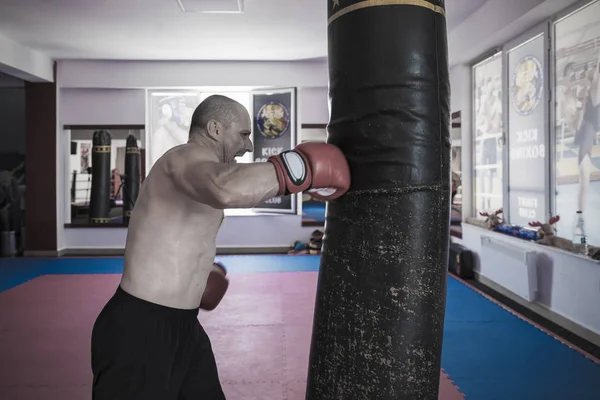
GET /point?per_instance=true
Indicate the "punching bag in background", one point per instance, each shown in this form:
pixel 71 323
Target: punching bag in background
pixel 131 188
pixel 100 193
pixel 379 312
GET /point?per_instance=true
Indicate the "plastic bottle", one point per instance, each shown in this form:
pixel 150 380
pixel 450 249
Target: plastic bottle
pixel 579 238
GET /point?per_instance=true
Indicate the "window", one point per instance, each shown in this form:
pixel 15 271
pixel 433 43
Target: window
pixel 527 132
pixel 170 114
pixel 488 152
pixel 577 122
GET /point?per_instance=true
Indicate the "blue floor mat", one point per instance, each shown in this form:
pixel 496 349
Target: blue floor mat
pixel 488 352
pixel 493 355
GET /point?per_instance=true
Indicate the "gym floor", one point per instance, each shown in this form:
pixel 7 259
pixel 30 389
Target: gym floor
pixel 261 335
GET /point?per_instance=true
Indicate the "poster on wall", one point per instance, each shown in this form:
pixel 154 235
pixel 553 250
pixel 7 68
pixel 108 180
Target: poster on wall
pixel 527 136
pixel 274 131
pixel 487 146
pixel 169 113
pixel 577 122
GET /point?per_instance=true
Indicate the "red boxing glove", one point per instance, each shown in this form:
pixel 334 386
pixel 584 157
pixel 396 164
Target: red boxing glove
pixel 320 168
pixel 216 287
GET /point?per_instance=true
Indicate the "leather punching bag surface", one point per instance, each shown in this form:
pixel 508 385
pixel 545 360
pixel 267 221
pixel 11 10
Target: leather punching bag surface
pixel 131 188
pixel 379 312
pixel 100 193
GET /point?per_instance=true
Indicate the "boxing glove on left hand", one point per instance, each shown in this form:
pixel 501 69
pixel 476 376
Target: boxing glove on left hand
pixel 320 168
pixel 216 287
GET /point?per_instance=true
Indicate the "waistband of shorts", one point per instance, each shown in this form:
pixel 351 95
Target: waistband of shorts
pixel 122 295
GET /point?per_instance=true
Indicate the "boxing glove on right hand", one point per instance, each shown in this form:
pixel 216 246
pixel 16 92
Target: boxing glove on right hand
pixel 320 168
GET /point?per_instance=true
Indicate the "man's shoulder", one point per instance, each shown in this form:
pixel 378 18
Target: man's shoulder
pixel 189 151
pixel 180 158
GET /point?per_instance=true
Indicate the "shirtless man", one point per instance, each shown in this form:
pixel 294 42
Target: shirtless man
pixel 147 342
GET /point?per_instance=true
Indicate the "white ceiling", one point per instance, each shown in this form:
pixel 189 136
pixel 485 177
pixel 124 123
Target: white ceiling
pixel 159 30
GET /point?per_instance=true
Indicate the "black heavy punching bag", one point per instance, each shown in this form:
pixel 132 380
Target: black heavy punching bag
pixel 131 187
pixel 100 193
pixel 379 312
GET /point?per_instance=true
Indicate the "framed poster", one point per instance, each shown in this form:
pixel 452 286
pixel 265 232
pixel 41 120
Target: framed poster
pixel 576 120
pixel 274 131
pixel 528 134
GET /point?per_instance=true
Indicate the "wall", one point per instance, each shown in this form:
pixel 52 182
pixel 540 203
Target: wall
pixel 495 23
pixel 456 90
pixel 12 115
pixel 146 74
pixel 43 180
pixel 103 106
pixel 128 106
pixel 112 93
pixel 25 63
pixel 314 105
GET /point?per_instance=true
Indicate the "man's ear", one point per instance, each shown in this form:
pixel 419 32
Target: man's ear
pixel 214 129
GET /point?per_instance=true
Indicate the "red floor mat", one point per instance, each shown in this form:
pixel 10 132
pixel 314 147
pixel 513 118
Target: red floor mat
pixel 260 334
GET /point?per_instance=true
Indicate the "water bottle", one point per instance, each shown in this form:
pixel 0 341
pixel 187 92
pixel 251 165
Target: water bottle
pixel 579 238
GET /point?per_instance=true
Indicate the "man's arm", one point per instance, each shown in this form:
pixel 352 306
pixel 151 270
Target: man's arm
pixel 223 185
pixel 320 168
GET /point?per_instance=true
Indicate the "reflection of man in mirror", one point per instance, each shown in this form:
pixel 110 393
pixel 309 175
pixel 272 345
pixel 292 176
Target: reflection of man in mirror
pixel 586 134
pixel 173 126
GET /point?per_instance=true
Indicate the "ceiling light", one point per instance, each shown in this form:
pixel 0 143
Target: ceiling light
pixel 212 6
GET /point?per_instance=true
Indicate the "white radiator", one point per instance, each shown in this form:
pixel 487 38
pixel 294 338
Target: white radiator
pixel 511 267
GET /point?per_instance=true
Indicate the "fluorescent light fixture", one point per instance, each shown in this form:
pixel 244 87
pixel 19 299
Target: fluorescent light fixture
pixel 211 6
pixel 167 94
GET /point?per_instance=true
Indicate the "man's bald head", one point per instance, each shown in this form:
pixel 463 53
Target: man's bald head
pixel 226 124
pixel 217 108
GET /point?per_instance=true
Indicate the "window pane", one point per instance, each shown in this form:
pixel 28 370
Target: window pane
pixel 578 121
pixel 487 146
pixel 527 136
pixel 170 114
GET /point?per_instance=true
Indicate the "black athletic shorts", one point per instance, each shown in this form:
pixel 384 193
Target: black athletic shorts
pixel 145 351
